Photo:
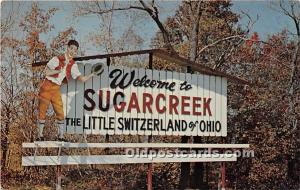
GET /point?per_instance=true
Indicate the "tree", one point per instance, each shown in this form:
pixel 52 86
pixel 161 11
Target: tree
pixel 263 113
pixel 9 88
pixel 18 103
pixel 106 36
pixel 200 31
pixel 244 57
pixel 292 10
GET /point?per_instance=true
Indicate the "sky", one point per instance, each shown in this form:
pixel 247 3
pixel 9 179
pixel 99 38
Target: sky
pixel 269 21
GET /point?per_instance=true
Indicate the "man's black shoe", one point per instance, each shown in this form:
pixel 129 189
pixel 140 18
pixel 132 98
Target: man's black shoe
pixel 40 139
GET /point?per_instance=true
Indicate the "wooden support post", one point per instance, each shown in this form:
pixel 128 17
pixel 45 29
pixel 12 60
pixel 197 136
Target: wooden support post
pixel 223 175
pixel 106 150
pixel 150 60
pixel 108 61
pixel 149 177
pixel 184 168
pixel 189 69
pixel 58 177
pixel 149 172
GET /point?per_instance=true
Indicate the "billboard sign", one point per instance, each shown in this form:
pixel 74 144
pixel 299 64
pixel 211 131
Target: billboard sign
pixel 137 101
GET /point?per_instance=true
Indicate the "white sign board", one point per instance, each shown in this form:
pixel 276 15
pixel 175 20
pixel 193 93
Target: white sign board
pixel 133 101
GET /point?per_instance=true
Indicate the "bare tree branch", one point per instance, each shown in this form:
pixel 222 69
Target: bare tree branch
pixel 152 10
pixel 100 11
pixel 251 22
pixel 240 36
pixel 219 41
pixel 195 31
pixel 154 15
pixel 225 53
pixel 291 14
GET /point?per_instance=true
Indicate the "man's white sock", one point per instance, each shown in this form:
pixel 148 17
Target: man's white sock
pixel 61 125
pixel 41 125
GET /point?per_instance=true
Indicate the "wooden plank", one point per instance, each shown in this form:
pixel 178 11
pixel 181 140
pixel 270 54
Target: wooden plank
pixel 177 116
pixel 99 121
pixel 155 114
pixel 174 58
pixel 127 93
pixel 188 93
pixel 181 93
pixel 88 114
pixel 124 159
pixel 205 95
pixel 162 103
pixel 101 56
pixel 224 106
pixel 140 114
pixel 169 116
pixel 194 93
pixel 95 113
pixel 56 144
pixel 133 113
pixel 119 131
pixel 111 114
pixel 148 115
pixel 200 94
pixel 80 87
pixel 219 107
pixel 196 66
pixel 212 95
pixel 104 96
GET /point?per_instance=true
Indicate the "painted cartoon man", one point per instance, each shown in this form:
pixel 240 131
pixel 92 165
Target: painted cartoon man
pixel 58 70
